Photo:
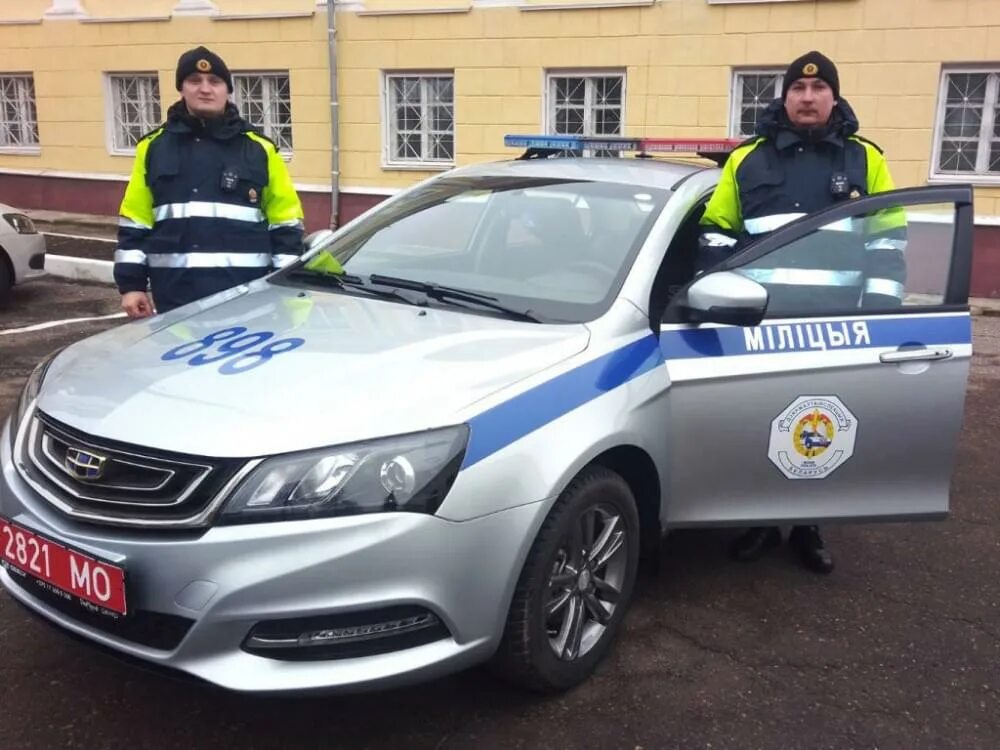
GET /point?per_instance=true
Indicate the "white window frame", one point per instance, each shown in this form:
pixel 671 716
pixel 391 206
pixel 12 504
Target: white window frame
pixel 549 104
pixel 389 126
pixel 269 98
pixel 112 109
pixel 736 95
pixel 985 129
pixel 27 106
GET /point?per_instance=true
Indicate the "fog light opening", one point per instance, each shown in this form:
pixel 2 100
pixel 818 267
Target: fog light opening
pixel 362 634
pixel 368 632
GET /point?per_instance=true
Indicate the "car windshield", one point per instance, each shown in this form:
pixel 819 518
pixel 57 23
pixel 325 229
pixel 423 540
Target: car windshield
pixel 559 249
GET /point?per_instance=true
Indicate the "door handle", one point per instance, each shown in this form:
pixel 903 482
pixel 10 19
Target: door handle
pixel 915 355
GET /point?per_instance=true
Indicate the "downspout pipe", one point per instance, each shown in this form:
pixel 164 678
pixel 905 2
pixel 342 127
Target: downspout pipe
pixel 331 38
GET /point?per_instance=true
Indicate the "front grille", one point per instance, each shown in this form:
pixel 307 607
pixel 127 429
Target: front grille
pixel 146 628
pixel 100 480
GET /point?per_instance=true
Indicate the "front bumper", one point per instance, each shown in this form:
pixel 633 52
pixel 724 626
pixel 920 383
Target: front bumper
pixel 213 587
pixel 27 255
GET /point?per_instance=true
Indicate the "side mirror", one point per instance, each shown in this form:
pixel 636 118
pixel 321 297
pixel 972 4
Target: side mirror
pixel 726 297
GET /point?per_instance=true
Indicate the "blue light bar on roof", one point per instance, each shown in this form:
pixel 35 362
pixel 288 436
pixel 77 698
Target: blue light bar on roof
pixel 572 142
pixel 702 146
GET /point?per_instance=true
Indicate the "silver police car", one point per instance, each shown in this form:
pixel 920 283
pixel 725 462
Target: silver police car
pixel 446 436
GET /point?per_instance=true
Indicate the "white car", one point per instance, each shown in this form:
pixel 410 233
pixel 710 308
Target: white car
pixel 22 251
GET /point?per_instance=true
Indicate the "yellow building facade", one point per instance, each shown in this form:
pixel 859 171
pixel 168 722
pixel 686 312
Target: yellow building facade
pixel 423 85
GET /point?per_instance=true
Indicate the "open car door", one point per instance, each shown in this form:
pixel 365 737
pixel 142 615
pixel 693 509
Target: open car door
pixel 823 409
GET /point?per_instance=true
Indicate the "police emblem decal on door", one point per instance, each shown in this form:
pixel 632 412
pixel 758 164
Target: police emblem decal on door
pixel 812 437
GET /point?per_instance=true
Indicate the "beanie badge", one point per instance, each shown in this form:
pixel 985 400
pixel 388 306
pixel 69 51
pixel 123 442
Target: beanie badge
pixel 204 66
pixel 809 69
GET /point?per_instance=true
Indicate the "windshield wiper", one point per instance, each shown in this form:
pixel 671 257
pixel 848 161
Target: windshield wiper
pixel 453 295
pixel 426 287
pixel 352 282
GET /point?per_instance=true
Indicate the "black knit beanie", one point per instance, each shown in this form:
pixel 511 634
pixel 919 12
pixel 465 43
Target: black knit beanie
pixel 202 60
pixel 812 65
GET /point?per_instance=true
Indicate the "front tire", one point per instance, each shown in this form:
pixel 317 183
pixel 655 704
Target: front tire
pixel 575 586
pixel 6 281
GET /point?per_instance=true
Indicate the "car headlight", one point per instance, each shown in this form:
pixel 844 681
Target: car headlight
pixel 409 473
pixel 28 395
pixel 21 223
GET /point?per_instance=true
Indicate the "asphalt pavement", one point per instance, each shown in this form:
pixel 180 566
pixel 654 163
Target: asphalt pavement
pixel 898 648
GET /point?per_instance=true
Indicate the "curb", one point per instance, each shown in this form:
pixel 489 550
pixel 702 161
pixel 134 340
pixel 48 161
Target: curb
pixel 80 269
pixel 53 226
pixel 54 219
pixel 986 312
pixel 83 231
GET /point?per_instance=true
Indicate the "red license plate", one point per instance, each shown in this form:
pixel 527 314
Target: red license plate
pixel 99 586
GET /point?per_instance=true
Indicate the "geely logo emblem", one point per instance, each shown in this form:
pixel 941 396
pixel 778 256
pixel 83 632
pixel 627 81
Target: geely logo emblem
pixel 83 465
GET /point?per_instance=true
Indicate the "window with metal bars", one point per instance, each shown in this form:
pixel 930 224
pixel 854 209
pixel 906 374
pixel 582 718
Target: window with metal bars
pixel 967 137
pixel 265 100
pixel 420 114
pixel 586 104
pixel 135 101
pixel 18 114
pixel 753 91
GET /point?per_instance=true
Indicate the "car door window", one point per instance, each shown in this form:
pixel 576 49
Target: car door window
pixel 893 257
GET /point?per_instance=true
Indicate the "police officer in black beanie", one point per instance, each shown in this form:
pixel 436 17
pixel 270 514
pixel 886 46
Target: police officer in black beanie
pixel 210 204
pixel 806 156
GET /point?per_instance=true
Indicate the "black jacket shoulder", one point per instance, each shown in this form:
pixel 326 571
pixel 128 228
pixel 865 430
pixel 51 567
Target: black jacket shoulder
pixel 869 142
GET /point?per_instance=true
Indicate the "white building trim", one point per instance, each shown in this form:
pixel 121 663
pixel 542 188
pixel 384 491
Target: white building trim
pixel 65 10
pixel 195 8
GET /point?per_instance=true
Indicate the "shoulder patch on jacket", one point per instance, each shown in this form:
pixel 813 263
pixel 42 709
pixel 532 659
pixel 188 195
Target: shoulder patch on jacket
pixel 874 145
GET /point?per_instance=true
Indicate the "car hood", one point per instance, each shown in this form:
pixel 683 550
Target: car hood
pixel 364 368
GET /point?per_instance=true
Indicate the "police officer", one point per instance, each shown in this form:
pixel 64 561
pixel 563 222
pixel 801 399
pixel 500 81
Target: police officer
pixel 210 203
pixel 805 157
